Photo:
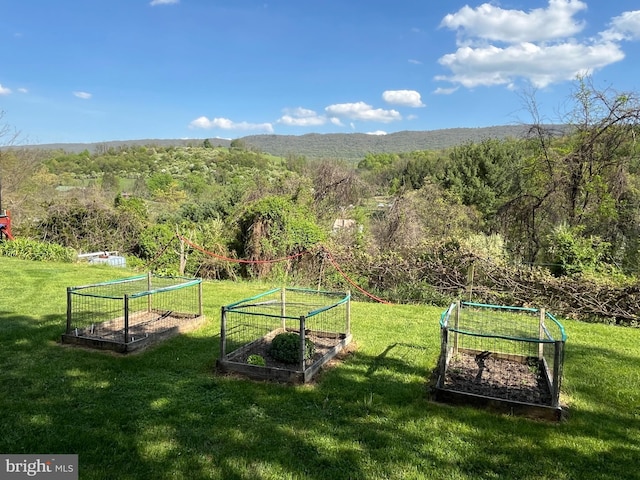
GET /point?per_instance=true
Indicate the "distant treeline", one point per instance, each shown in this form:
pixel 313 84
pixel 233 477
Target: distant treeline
pixel 345 146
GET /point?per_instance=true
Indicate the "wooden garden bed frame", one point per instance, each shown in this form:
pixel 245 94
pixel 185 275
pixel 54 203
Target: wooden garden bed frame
pixel 452 328
pixel 332 342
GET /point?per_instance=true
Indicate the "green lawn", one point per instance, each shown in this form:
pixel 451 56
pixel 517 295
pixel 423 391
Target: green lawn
pixel 165 414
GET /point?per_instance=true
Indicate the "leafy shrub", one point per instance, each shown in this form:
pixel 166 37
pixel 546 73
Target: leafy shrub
pixel 417 292
pixel 275 226
pixel 286 347
pixel 89 226
pixel 256 360
pixel 27 249
pixel 572 253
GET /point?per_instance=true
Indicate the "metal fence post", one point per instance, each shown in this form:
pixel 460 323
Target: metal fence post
pixel 541 334
pixel 303 350
pixel 348 326
pixel 69 310
pixel 200 308
pixel 223 333
pixel 148 290
pixel 283 308
pixel 126 318
pixel 444 353
pixel 558 355
pixel 455 327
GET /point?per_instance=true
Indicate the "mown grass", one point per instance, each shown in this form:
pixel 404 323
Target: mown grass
pixel 165 414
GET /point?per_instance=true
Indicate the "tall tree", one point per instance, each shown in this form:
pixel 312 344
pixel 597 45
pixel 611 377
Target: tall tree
pixel 485 174
pixel 582 178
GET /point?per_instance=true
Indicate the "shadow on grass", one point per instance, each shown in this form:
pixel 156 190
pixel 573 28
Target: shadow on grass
pixel 164 413
pixel 17 326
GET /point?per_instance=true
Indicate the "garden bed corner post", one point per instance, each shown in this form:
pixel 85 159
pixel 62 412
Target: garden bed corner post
pixel 148 290
pixel 456 322
pixel 223 333
pixel 303 341
pixel 558 355
pixel 348 320
pixel 283 308
pixel 69 310
pixel 126 318
pixel 541 334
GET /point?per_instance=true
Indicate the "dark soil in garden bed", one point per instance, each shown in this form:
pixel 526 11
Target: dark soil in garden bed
pixel 323 345
pixel 145 329
pixel 487 376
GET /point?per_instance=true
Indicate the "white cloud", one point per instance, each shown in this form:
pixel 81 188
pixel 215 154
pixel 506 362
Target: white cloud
pixel 377 132
pixel 163 2
pixel 494 23
pixel 414 61
pixel 541 65
pixel 226 124
pixel 302 117
pixel 624 27
pixel 445 91
pixel 362 111
pixel 500 47
pixel 23 90
pixel 83 95
pixel 405 98
pixel 4 90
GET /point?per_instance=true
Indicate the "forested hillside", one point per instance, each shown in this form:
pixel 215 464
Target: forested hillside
pixel 540 219
pixel 352 146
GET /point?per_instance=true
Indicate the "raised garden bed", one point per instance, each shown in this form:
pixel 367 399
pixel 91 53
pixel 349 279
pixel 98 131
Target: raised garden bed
pixel 132 313
pixel 249 326
pixel 507 359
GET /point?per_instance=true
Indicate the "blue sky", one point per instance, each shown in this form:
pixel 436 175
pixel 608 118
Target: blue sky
pixel 100 70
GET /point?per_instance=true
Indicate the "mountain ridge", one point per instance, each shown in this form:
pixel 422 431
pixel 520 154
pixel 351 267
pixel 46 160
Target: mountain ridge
pixel 348 146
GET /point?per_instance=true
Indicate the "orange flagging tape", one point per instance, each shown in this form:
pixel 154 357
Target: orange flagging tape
pixel 337 267
pixel 160 252
pixel 238 260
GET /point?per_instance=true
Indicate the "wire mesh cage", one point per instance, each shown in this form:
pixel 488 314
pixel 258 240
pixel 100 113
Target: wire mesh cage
pixel 129 313
pixel 509 357
pixel 320 319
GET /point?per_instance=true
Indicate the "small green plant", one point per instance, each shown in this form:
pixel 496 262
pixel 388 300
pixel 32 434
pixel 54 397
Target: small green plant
pixel 534 367
pixel 285 347
pixel 256 360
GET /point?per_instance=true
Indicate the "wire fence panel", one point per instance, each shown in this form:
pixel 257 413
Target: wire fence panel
pixel 319 318
pixel 130 310
pixel 509 353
